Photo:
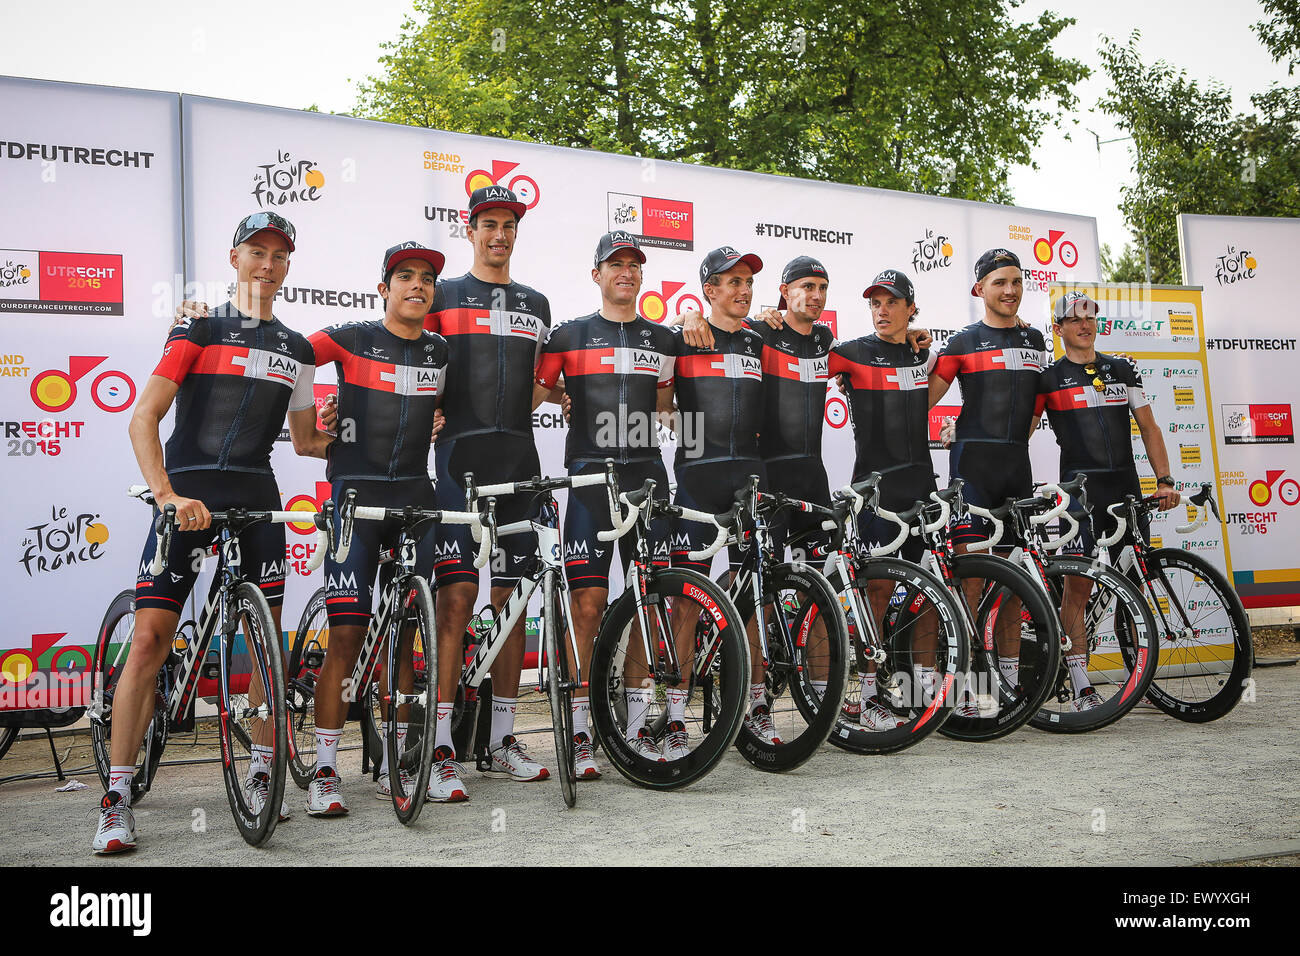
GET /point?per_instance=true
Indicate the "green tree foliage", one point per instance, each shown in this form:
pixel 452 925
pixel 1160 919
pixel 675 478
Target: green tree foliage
pixel 935 96
pixel 1194 155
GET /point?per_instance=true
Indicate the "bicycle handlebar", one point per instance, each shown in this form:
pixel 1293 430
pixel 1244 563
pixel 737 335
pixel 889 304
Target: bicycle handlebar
pixel 998 529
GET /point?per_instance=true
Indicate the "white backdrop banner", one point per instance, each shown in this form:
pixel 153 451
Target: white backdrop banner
pixel 1244 266
pixel 354 188
pixel 89 238
pixel 91 266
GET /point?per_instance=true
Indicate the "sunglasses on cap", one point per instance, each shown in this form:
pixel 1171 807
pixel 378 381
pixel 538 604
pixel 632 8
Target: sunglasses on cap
pixel 266 220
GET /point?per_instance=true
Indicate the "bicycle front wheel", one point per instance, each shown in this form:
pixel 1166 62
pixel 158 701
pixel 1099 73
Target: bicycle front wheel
pixel 418 708
pixel 920 654
pixel 807 669
pixel 559 688
pixel 305 659
pixel 112 647
pixel 1015 650
pixel 1206 654
pixel 241 715
pixel 1120 655
pixel 705 692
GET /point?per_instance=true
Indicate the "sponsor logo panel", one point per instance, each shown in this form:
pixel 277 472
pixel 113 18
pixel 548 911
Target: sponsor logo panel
pixel 287 181
pixel 655 221
pixel 1235 265
pixel 1257 425
pixel 44 281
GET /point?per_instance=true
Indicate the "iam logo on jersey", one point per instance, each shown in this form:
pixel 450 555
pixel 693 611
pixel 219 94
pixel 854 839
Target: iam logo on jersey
pixel 503 173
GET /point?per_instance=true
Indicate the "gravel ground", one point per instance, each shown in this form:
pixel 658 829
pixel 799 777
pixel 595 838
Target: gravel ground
pixel 1148 790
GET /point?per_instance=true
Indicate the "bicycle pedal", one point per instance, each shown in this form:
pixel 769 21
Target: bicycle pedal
pixel 313 660
pixel 210 670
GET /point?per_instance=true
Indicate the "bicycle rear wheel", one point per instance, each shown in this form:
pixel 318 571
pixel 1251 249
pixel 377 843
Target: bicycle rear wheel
pixel 714 675
pixel 1206 654
pixel 112 647
pixel 559 688
pixel 263 724
pixel 305 659
pixel 1035 646
pixel 1121 653
pixel 416 631
pixel 920 632
pixel 805 689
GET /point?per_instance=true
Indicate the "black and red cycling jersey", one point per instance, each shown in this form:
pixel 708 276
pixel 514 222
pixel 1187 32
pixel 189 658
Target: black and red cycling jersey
pixel 494 335
pixel 888 391
pixel 389 388
pixel 794 390
pixel 998 370
pixel 720 397
pixel 612 373
pixel 237 376
pixel 1092 424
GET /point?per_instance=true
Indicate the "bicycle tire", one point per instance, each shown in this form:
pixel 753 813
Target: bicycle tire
pixel 1015 706
pixel 916 592
pixel 1129 626
pixel 118 627
pixel 1203 695
pixel 300 688
pixel 252 616
pixel 416 610
pixel 559 690
pixel 7 736
pixel 717 698
pixel 807 717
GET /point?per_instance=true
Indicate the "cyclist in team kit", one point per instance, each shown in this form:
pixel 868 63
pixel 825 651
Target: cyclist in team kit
pixel 617 369
pixel 720 402
pixel 233 375
pixel 495 329
pixel 887 382
pixel 390 375
pixel 998 361
pixel 1089 396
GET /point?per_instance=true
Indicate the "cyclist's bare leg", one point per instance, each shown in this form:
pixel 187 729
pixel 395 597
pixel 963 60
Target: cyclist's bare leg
pixel 455 607
pixel 264 730
pixel 133 698
pixel 340 657
pixel 588 604
pixel 505 670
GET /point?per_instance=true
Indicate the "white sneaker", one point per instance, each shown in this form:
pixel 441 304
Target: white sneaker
pixel 258 789
pixel 676 743
pixel 875 717
pixel 384 791
pixel 584 759
pixel 116 832
pixel 512 758
pixel 445 783
pixel 644 745
pixel 1089 699
pixel 324 798
pixel 760 724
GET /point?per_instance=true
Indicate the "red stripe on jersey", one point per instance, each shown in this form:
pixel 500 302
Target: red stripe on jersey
pixel 178 359
pixel 779 364
pixel 219 360
pixel 1065 399
pixel 578 362
pixel 948 366
pixel 549 368
pixel 871 378
pixel 451 322
pixel 992 360
pixel 701 366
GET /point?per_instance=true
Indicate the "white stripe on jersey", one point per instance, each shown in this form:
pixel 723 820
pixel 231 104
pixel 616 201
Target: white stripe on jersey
pixel 269 367
pixel 409 380
pixel 1022 359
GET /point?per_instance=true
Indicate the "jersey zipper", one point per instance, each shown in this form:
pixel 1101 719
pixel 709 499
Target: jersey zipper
pixel 403 372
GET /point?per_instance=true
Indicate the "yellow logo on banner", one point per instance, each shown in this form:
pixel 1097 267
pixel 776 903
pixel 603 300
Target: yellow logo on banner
pixel 1189 454
pixel 1157 541
pixel 1133 427
pixel 1163 604
pixel 1148 486
pixel 1191 513
pixel 1184 398
pixel 1182 323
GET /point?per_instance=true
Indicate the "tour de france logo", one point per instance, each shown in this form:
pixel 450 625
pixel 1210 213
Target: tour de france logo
pixel 287 181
